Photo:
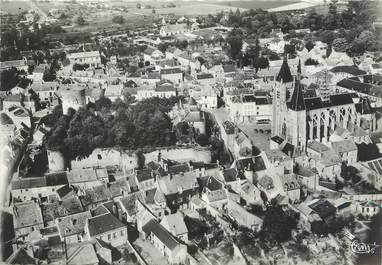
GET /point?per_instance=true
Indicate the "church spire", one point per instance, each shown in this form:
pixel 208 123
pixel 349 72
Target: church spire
pixel 284 75
pixel 299 68
pixel 297 102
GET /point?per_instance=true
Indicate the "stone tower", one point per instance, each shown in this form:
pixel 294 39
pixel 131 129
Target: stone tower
pixel 284 81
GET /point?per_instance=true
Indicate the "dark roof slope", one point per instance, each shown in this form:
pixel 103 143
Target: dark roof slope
pixel 350 69
pixel 297 102
pixel 20 256
pixel 103 223
pixel 284 75
pixel 144 174
pixel 167 71
pixel 161 233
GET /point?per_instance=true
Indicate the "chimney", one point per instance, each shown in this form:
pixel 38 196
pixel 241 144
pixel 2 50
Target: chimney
pixel 115 211
pixel 120 214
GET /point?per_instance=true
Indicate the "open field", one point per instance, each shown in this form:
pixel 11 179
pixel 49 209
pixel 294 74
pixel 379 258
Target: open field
pixel 182 8
pixel 253 4
pixel 15 7
pixel 102 19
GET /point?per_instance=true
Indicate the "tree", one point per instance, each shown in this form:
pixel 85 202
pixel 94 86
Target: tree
pixel 327 36
pixel 162 47
pixel 278 225
pixel 340 45
pixel 235 41
pixel 147 63
pixel 319 228
pixel 253 52
pixel 86 132
pixel 118 20
pixel 103 102
pixel 50 73
pixel 202 139
pixel 331 19
pixel 261 63
pixel 309 45
pixel 80 67
pixel 80 21
pixel 9 78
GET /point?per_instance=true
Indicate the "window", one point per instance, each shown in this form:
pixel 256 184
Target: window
pixel 121 232
pixel 109 237
pixel 114 235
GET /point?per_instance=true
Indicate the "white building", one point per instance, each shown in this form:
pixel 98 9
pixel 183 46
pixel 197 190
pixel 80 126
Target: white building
pixel 91 58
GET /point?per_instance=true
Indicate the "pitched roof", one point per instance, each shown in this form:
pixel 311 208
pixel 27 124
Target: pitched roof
pixel 204 76
pixel 284 75
pixel 129 202
pixel 317 146
pixel 73 224
pixel 184 181
pixel 167 71
pixel 20 256
pixel 350 69
pixel 344 146
pixel 230 174
pixel 297 102
pixel 81 253
pixel 161 233
pixel 179 168
pixel 95 195
pixel 154 195
pixel 217 195
pixel 144 174
pixel 103 223
pixel 323 208
pixel 176 223
pixel 228 68
pixel 27 214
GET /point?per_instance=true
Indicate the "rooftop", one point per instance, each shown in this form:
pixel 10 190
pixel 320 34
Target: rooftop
pixel 349 69
pixel 323 208
pixel 95 195
pixel 176 222
pixel 217 195
pixel 168 71
pixel 129 202
pixel 81 253
pixel 144 174
pixel 73 224
pixel 27 214
pixel 103 223
pixel 161 233
pixel 183 181
pixel 81 175
pixel 344 146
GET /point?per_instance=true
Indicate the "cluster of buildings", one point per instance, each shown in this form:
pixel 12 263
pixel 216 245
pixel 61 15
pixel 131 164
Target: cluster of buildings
pixel 292 134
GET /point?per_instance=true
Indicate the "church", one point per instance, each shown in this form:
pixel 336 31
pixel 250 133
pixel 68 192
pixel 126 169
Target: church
pixel 301 115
